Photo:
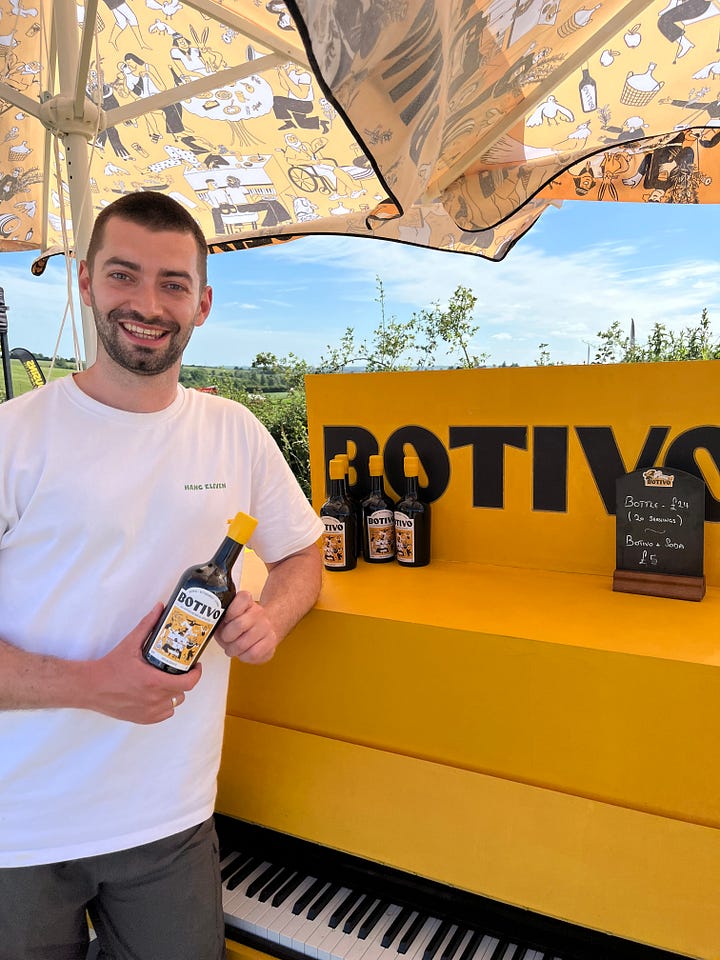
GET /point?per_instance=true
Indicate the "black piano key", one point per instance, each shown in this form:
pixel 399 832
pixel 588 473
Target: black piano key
pixel 348 903
pixel 453 944
pixel 307 898
pixel 245 870
pixel 322 901
pixel 232 865
pixel 412 931
pixel 372 919
pixel 287 888
pixel 472 945
pixel 277 881
pixel 358 913
pixel 396 926
pixel 437 938
pixel 259 882
pixel 505 950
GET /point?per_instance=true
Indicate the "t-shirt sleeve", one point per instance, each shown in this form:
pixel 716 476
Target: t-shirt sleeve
pixel 286 520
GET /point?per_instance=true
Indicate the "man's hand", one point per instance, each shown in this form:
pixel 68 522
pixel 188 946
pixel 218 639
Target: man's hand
pixel 124 685
pixel 246 631
pixel 252 631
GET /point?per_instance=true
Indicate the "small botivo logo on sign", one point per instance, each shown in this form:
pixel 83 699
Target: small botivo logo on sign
pixel 656 478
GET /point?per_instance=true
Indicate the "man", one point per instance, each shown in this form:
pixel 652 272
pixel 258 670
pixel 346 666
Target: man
pixel 114 481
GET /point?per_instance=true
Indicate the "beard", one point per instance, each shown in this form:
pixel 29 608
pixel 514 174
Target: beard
pixel 147 361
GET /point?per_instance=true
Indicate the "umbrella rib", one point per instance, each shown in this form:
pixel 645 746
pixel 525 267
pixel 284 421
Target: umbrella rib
pixel 88 35
pixel 187 90
pixel 252 31
pixel 540 93
pixel 19 100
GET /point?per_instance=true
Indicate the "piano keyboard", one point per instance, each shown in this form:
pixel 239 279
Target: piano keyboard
pixel 291 899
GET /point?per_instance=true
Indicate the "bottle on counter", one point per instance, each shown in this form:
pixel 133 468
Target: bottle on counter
pixel 412 521
pixel 353 501
pixel 197 604
pixel 378 518
pixel 338 516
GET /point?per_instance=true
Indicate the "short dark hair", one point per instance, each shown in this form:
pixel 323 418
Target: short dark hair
pixel 154 211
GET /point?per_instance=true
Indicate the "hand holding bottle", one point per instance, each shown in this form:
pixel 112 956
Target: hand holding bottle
pixel 246 631
pixel 124 686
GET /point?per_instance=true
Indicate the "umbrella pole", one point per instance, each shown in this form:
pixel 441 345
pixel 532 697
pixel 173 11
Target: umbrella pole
pixel 7 371
pixel 75 136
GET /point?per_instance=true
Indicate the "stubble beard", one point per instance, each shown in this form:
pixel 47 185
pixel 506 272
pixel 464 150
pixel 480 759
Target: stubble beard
pixel 146 361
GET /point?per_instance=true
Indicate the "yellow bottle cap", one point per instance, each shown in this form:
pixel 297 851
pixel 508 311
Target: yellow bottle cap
pixel 411 466
pixel 376 465
pixel 345 460
pixel 242 527
pixel 337 469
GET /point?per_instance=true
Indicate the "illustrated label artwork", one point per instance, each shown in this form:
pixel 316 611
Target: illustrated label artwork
pixel 381 534
pixel 404 537
pixel 334 542
pixel 660 522
pixel 193 616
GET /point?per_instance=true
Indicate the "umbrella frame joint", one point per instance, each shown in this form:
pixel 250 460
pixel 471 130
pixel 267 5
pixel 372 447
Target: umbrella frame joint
pixel 58 115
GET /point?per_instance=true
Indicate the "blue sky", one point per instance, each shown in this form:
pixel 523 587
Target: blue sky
pixel 577 270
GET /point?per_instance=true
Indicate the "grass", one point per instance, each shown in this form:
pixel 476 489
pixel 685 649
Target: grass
pixel 20 381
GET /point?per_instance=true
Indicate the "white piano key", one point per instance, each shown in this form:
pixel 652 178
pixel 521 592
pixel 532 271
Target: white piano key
pixel 320 924
pixel 306 928
pixel 344 943
pixel 285 914
pixel 236 901
pixel 486 948
pixel 295 921
pixel 463 943
pixel 329 947
pixel 441 946
pixel 375 949
pixel 417 947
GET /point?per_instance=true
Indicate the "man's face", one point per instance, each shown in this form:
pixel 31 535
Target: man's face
pixel 146 295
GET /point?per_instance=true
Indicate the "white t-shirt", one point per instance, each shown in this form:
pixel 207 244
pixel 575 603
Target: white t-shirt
pixel 100 512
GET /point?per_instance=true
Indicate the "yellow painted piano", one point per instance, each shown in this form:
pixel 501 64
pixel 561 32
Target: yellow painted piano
pixel 495 757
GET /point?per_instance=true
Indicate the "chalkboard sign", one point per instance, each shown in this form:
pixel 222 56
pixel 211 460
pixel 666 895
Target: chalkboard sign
pixel 660 517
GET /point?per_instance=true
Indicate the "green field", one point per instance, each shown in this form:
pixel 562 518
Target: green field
pixel 20 380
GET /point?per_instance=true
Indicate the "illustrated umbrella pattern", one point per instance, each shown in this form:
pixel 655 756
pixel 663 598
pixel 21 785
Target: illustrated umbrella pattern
pixel 444 123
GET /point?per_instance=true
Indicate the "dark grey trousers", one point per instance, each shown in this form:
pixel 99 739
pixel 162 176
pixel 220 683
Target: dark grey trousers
pixel 159 901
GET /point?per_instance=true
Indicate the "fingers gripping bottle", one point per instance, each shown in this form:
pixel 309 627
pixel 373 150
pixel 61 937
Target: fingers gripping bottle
pixel 338 515
pixel 412 521
pixel 197 605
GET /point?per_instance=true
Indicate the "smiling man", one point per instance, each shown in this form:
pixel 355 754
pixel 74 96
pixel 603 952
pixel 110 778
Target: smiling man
pixel 114 481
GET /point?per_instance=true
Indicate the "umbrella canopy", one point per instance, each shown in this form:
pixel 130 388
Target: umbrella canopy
pixel 444 123
pixel 479 113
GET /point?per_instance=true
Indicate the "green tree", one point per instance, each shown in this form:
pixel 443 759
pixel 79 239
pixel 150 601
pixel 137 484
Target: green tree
pixel 412 344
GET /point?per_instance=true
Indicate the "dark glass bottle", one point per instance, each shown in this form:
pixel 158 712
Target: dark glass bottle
pixel 197 605
pixel 353 501
pixel 378 520
pixel 412 521
pixel 338 515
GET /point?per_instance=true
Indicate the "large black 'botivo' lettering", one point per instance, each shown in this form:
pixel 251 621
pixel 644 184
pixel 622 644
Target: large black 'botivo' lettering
pixel 336 441
pixel 606 462
pixel 488 446
pixel 433 457
pixel 681 455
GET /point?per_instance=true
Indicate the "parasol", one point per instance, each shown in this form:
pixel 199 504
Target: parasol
pixel 450 124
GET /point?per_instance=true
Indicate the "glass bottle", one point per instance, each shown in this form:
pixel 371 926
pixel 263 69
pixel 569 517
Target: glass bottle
pixel 352 500
pixel 197 604
pixel 412 521
pixel 338 516
pixel 378 521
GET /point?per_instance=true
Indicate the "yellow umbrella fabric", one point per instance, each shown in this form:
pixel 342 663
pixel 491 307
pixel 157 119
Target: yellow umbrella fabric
pixel 471 108
pixel 443 123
